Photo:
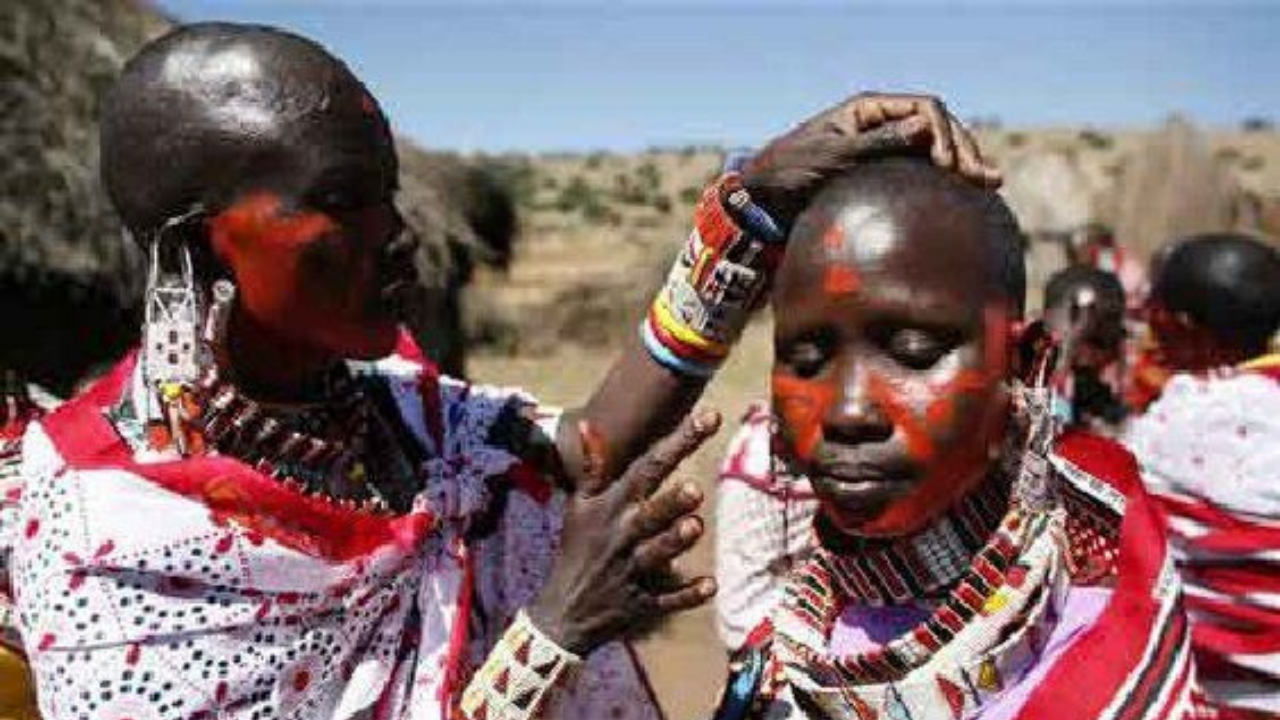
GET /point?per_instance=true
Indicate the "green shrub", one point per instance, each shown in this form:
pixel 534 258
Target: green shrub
pixel 1096 140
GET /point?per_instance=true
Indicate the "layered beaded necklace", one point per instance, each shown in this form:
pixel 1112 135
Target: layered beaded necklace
pixel 339 448
pixel 956 562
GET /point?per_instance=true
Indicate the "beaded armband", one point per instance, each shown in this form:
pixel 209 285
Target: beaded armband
pixel 717 280
pixel 517 678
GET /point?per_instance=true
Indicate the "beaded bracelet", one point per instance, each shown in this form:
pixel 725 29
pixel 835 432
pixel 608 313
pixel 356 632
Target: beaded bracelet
pixel 517 678
pixel 716 281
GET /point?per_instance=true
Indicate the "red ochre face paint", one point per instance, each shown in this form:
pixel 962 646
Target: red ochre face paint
pixel 301 275
pixel 841 275
pixel 944 428
pixel 263 245
pixel 801 406
pixel 962 418
pixel 947 442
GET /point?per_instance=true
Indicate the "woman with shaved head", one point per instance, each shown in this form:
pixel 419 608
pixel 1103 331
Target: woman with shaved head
pixel 276 508
pixel 965 558
pixel 1210 446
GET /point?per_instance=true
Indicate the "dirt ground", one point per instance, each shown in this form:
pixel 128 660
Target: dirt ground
pixel 684 658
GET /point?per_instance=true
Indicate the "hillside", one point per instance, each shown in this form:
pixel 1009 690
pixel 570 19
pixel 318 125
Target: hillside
pixel 596 229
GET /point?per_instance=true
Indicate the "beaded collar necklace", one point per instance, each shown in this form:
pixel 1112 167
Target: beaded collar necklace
pixel 814 597
pixel 921 566
pixel 338 448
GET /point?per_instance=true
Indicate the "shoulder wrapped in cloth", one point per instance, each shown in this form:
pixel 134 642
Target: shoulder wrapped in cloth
pixel 1210 453
pixel 201 588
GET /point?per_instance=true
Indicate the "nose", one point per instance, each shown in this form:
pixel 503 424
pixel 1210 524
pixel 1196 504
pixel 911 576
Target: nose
pixel 855 415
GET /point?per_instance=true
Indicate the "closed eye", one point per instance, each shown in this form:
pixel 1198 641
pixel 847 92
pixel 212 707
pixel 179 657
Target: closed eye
pixel 807 354
pixel 915 347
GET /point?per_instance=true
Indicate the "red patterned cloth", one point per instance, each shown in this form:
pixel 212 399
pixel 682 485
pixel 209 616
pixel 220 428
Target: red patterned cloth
pixel 1210 449
pixel 199 588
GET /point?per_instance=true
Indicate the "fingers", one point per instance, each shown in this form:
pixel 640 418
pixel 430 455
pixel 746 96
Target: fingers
pixel 659 512
pixel 970 162
pixel 647 473
pixel 696 592
pixel 920 116
pixel 871 110
pixel 658 551
pixel 943 151
pixel 891 137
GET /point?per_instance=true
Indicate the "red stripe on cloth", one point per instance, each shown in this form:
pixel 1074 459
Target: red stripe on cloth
pixel 1249 541
pixel 1154 676
pixel 1085 681
pixel 1230 628
pixel 1206 513
pixel 456 672
pixel 1170 707
pixel 232 490
pixel 1235 579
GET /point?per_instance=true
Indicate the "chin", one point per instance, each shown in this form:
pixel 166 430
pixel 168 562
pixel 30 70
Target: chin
pixel 888 519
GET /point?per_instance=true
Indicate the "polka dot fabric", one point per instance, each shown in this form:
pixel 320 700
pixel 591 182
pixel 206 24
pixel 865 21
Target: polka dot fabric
pixel 136 601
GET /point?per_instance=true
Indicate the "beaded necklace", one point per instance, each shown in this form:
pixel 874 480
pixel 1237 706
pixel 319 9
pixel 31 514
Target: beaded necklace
pixel 817 591
pixel 922 566
pixel 339 448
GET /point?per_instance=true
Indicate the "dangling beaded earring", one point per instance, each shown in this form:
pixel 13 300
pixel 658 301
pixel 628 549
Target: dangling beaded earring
pixel 173 357
pixel 215 326
pixel 1033 488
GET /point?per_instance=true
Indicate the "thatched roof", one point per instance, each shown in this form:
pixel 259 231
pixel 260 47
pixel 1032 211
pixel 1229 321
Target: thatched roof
pixel 57 229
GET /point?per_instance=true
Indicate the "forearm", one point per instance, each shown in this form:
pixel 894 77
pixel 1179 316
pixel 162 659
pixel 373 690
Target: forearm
pixel 717 280
pixel 638 402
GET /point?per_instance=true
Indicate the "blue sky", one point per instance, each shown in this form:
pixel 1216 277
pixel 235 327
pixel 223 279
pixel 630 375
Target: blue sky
pixel 497 76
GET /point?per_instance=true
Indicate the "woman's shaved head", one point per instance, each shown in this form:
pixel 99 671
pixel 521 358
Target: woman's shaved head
pixel 292 166
pixel 912 188
pixel 205 109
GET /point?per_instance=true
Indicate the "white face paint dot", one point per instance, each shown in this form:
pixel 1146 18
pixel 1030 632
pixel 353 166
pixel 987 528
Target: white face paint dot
pixel 868 232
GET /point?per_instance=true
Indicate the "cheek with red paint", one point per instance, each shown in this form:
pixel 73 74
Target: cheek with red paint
pixel 800 406
pixel 299 274
pixel 947 428
pixel 265 247
pixel 948 441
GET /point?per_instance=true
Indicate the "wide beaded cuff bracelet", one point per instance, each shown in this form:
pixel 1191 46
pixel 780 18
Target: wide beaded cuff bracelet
pixel 519 675
pixel 715 282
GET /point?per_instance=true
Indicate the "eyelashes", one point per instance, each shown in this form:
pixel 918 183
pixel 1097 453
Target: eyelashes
pixel 917 348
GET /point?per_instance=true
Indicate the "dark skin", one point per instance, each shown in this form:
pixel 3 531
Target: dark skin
pixel 1215 301
pixel 293 165
pixel 1090 335
pixel 889 363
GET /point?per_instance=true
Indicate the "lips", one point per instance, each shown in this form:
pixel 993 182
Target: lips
pixel 855 480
